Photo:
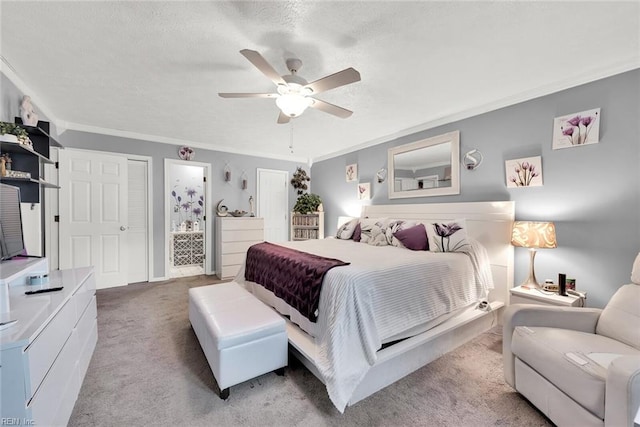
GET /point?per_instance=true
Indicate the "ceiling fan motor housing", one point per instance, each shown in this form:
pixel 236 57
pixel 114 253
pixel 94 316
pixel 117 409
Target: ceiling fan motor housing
pixel 293 65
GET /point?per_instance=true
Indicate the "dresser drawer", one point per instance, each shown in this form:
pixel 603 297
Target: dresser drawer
pixel 233 259
pixel 242 224
pixel 45 348
pixel 83 296
pixel 52 395
pixel 229 271
pixel 242 235
pixel 87 322
pixel 238 247
pixel 86 351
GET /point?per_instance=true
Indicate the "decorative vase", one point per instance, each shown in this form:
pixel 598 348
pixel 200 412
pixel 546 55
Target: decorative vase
pixel 27 113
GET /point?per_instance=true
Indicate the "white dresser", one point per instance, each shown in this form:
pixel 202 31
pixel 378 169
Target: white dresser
pixel 233 238
pixel 45 355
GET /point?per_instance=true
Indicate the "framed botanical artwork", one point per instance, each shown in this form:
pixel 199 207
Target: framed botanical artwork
pixel 364 191
pixel 574 130
pixel 525 172
pixel 351 172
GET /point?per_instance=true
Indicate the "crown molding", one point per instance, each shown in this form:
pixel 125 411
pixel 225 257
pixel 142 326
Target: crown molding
pixel 61 126
pixel 577 80
pixel 176 141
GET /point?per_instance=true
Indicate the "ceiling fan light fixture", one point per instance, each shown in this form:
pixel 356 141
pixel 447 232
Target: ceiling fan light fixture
pixel 293 104
pixel 294 93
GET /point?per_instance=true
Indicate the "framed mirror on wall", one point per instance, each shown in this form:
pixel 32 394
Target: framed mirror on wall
pixel 425 168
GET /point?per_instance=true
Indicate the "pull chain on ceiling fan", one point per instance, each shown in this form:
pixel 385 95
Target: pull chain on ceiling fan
pixel 291 138
pixel 294 93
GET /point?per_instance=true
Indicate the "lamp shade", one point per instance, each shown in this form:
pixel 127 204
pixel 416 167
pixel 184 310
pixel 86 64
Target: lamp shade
pixel 529 234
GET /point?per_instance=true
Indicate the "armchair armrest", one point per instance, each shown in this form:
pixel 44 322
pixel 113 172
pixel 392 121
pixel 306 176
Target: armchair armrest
pixel 622 391
pixel 575 318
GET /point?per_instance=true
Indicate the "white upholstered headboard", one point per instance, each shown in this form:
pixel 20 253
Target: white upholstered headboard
pixel 487 222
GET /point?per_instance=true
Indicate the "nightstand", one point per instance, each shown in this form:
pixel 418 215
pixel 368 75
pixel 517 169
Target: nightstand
pixel 520 295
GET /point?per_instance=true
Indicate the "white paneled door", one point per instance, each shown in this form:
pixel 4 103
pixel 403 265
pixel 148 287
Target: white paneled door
pixel 273 204
pixel 93 214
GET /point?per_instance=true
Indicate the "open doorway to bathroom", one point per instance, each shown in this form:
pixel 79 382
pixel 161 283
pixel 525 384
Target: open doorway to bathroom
pixel 185 215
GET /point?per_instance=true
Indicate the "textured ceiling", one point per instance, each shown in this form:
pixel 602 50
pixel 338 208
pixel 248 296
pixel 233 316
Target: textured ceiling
pixel 153 69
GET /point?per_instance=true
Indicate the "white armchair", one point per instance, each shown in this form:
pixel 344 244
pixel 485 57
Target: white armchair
pixel 579 366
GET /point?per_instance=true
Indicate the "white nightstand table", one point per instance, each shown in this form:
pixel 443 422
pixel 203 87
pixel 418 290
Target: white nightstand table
pixel 520 295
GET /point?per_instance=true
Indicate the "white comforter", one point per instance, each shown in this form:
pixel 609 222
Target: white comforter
pixel 383 292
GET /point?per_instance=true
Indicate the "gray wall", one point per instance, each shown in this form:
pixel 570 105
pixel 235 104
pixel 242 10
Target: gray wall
pixel 234 197
pixel 592 193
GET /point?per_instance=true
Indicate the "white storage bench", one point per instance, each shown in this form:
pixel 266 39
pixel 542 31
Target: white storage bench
pixel 241 337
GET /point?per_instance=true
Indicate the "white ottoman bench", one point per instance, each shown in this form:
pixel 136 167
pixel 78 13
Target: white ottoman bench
pixel 241 337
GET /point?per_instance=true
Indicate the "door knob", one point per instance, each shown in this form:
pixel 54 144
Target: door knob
pixel 123 228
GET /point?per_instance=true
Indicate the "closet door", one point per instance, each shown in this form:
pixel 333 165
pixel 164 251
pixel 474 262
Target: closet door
pixel 93 214
pixel 137 235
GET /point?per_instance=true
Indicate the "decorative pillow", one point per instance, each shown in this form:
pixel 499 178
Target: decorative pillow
pixel 373 231
pixel 414 238
pixel 448 236
pixel 394 226
pixel 345 231
pixel 357 233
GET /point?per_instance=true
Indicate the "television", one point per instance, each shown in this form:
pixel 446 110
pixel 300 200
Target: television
pixel 11 237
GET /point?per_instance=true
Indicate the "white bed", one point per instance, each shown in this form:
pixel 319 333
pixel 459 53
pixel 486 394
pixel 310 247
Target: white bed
pixel 342 349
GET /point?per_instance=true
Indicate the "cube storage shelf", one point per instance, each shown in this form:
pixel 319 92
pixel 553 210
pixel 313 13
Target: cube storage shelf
pixel 307 226
pixel 187 248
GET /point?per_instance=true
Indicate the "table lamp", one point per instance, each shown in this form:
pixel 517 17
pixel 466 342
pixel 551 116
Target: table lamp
pixel 533 235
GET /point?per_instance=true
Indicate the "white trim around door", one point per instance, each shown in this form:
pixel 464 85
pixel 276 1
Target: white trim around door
pixel 53 209
pixel 207 224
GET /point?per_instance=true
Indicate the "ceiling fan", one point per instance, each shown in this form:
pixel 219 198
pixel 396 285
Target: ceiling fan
pixel 294 94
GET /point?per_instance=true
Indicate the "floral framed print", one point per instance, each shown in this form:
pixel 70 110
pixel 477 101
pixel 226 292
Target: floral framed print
pixel 351 172
pixel 364 191
pixel 525 172
pixel 576 129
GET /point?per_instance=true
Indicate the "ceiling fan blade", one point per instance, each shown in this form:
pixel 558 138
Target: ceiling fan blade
pixel 283 118
pixel 341 78
pixel 261 64
pixel 248 95
pixel 343 113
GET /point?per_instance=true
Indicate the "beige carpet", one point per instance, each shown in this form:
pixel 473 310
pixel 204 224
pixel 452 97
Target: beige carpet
pixel 148 370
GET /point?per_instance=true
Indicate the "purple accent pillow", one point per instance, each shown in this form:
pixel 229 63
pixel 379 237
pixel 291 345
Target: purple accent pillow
pixel 414 238
pixel 356 233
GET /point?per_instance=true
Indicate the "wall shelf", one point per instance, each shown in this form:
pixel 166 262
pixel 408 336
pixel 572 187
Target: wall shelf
pixel 39 131
pixel 27 159
pixel 16 148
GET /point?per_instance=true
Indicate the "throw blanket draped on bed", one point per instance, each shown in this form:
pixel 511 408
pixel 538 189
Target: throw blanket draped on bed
pixel 292 275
